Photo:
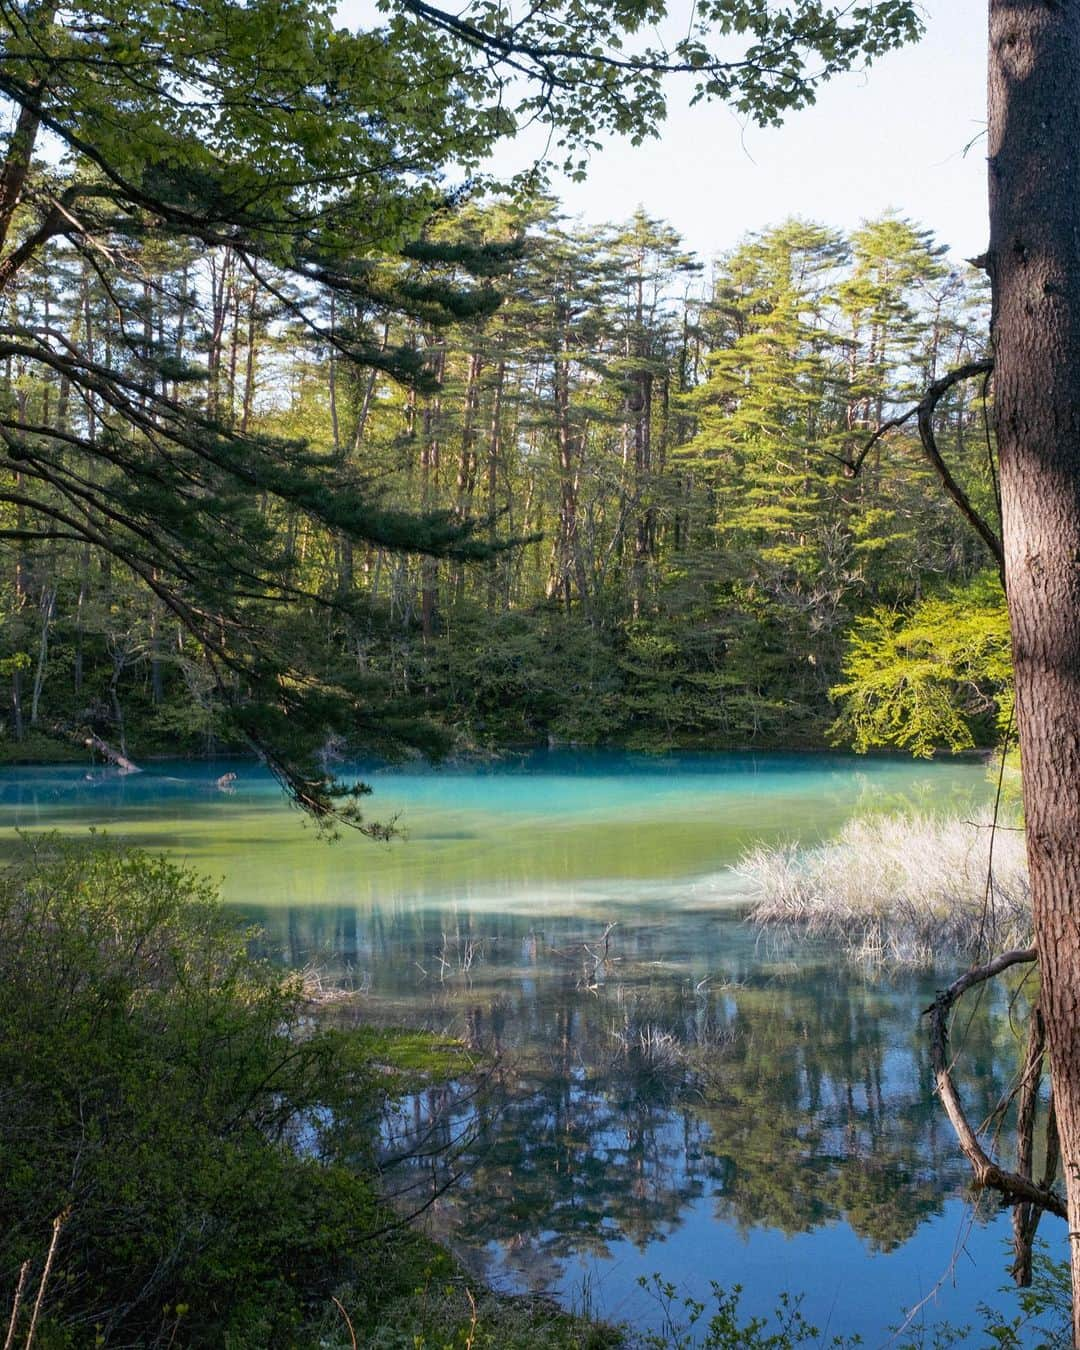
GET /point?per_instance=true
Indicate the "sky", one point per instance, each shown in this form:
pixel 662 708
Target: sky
pixel 893 136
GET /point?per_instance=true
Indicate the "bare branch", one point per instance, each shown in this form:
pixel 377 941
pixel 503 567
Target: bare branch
pixel 985 531
pixel 924 412
pixel 988 1174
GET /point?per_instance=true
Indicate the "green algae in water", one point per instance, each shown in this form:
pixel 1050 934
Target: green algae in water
pixel 506 832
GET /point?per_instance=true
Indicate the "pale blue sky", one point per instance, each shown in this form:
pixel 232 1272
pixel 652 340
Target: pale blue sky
pixel 893 136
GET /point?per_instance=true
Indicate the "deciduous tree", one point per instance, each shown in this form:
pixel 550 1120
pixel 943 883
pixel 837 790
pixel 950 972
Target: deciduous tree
pixel 307 156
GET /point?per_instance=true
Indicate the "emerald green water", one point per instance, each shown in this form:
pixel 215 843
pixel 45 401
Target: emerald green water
pixel 684 1097
pixel 515 830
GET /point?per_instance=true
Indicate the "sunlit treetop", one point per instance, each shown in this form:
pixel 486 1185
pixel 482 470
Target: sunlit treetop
pixel 306 115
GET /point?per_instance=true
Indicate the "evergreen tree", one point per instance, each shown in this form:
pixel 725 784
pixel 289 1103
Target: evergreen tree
pixel 296 157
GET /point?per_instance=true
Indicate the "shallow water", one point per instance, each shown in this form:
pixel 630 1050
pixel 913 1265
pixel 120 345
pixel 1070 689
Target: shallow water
pixel 672 1095
pixel 515 832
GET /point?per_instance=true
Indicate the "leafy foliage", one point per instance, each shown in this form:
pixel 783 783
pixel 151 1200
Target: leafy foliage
pixel 210 1150
pixel 726 1329
pixel 691 557
pixel 937 676
pixel 285 174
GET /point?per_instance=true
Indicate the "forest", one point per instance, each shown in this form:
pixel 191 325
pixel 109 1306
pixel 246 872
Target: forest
pixel 330 453
pixel 657 453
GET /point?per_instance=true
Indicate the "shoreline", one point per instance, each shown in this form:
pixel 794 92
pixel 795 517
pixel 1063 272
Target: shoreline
pixel 981 754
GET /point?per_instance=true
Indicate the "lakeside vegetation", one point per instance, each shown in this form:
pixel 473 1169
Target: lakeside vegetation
pixel 319 441
pixel 206 1141
pixel 202 1144
pixel 203 1131
pixel 901 890
pixel 699 566
pixel 695 567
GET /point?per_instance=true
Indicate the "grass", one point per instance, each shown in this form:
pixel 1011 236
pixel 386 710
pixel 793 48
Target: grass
pixel 900 890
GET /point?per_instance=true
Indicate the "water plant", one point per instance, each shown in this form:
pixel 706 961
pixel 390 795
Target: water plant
pixel 900 889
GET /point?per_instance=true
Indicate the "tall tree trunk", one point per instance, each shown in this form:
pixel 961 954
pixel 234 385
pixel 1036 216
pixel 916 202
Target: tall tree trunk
pixel 220 297
pixel 80 606
pixel 234 349
pixel 645 523
pixel 20 147
pixel 148 341
pixel 114 699
pixel 430 452
pixel 20 605
pixel 494 458
pixel 157 680
pixel 249 361
pixel 48 606
pixel 568 564
pixel 181 322
pixel 335 424
pixel 1034 263
pixel 369 391
pixel 466 474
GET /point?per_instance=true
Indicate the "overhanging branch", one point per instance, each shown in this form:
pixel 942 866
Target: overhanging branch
pixel 923 412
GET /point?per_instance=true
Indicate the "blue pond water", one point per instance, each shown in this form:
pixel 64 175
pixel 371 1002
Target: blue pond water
pixel 675 1094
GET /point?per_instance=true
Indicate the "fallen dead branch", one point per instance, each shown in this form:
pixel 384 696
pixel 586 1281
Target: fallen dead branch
pixel 106 751
pixel 988 1174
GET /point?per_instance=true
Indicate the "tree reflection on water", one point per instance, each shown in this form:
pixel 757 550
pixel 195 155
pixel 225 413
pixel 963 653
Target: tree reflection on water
pixel 686 1062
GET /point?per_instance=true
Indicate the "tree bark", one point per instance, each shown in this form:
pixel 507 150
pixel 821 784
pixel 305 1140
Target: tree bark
pixel 1034 265
pixel 430 456
pixel 1026 1216
pixel 497 568
pixel 20 149
pixel 568 563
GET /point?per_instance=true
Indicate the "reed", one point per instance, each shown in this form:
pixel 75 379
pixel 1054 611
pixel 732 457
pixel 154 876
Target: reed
pixel 899 890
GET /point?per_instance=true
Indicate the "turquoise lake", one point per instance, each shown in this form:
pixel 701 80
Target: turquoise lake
pixel 673 1093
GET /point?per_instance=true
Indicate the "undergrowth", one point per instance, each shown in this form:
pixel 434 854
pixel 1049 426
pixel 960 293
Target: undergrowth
pixel 202 1148
pixel 189 1148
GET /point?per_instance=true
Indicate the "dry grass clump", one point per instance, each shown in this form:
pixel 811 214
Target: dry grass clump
pixel 648 1048
pixel 900 890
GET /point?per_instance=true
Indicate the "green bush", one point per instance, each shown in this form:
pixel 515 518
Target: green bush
pixel 163 1091
pixel 939 677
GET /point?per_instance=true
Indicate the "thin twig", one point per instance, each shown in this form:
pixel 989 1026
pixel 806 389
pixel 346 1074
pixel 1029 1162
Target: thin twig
pixel 24 1270
pixel 58 1223
pixel 474 1321
pixel 988 893
pixel 348 1323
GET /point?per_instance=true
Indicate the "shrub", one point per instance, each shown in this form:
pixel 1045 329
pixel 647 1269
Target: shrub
pixel 937 677
pixel 161 1088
